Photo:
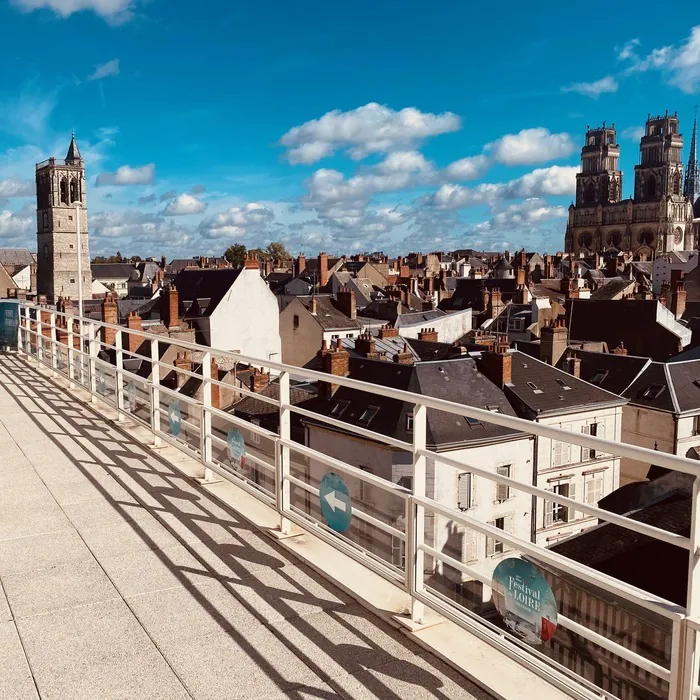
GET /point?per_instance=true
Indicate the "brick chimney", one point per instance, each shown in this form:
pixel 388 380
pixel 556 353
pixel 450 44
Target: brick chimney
pixel 404 271
pixel 183 360
pixel 520 276
pixel 313 306
pixel 678 299
pixel 573 366
pixel 345 299
pixel 497 365
pixel 495 305
pixel 334 361
pixel 485 298
pixel 169 307
pixel 553 342
pixel 405 357
pixel 251 262
pixel 429 334
pixel 522 295
pixel 620 349
pixel 110 314
pixel 365 345
pixel 258 381
pixel 388 331
pixel 133 323
pixel 300 266
pixel 215 388
pixel 322 269
pixel 268 267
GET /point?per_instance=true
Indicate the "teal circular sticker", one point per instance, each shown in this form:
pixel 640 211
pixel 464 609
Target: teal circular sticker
pixel 335 502
pixel 174 418
pixel 524 600
pixel 236 448
pixel 101 382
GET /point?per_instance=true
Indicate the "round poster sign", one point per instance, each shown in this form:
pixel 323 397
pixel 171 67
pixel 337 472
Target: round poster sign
pixel 525 600
pixel 174 418
pixel 236 448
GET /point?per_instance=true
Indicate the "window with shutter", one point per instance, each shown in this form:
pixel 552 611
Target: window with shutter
pixel 469 552
pixel 586 451
pixel 464 491
pixel 548 513
pixel 502 490
pixel 601 434
pixel 594 488
pixel 573 514
pixel 508 527
pixel 490 543
pixel 562 453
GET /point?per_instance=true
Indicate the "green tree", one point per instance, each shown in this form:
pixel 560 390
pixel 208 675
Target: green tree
pixel 235 254
pixel 260 252
pixel 276 251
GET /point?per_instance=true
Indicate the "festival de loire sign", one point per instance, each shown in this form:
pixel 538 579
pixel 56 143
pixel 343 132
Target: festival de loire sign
pixel 524 600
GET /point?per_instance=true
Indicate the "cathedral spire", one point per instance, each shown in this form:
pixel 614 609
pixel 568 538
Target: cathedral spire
pixel 73 155
pixel 692 178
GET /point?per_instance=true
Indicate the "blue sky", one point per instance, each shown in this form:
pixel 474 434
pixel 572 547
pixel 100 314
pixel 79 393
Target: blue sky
pixel 368 126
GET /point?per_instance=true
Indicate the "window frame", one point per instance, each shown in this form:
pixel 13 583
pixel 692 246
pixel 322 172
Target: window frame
pixel 371 408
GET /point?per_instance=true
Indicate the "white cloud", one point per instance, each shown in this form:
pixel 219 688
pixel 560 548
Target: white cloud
pixel 531 211
pixel 16 188
pixel 634 133
pixel 594 89
pixel 17 225
pixel 373 128
pixel 105 70
pixel 237 222
pixel 681 64
pixel 184 204
pixel 552 181
pixel 405 162
pixel 531 146
pixel 113 10
pixel 467 168
pixel 126 175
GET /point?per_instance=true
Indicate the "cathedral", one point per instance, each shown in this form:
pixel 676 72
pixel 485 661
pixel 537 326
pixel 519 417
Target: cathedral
pixel 659 217
pixel 60 209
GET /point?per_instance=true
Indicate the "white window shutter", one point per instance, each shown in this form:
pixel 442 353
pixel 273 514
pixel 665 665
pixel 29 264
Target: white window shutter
pixel 469 546
pixel 590 490
pixel 601 435
pixel 490 543
pixel 463 490
pixel 572 495
pixel 585 451
pixel 548 512
pixel 472 484
pixel 508 527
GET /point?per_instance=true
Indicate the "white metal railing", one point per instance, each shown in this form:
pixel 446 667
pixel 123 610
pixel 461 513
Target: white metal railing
pixel 279 473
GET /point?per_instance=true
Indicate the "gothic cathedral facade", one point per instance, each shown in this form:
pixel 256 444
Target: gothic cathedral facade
pixel 656 220
pixel 60 193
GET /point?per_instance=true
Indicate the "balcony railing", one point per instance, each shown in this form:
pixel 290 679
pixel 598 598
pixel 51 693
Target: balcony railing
pixel 392 539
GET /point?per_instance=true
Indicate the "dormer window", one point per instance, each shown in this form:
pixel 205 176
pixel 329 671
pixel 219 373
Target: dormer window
pixel 599 377
pixel 563 385
pixel 652 392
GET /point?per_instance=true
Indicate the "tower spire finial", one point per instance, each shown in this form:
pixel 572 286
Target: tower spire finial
pixel 73 155
pixel 692 177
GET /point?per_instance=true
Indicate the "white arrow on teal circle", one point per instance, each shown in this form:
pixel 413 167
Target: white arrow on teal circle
pixel 174 417
pixel 334 502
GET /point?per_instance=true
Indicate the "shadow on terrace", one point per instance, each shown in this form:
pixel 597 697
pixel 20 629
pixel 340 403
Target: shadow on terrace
pixel 232 615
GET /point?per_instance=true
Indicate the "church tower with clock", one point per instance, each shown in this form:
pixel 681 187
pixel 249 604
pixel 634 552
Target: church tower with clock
pixel 60 194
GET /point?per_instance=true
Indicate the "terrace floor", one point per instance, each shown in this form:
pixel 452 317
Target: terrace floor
pixel 122 578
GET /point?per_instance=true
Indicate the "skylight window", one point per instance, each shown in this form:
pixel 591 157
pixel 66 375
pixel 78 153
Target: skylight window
pixel 652 392
pixel 563 385
pixel 493 408
pixel 599 377
pixel 367 415
pixel 339 408
pixel 535 388
pixel 472 421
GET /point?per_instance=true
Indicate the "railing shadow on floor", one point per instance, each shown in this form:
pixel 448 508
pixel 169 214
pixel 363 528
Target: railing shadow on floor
pixel 190 515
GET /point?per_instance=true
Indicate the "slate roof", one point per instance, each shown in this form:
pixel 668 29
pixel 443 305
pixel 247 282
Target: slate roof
pixel 16 256
pixel 537 389
pixel 613 287
pixel 456 380
pixel 251 406
pixel 389 346
pixel 329 317
pixel 201 289
pixel 468 291
pixel 616 551
pixel 180 264
pixel 147 270
pixel 653 389
pixel 613 373
pixel 685 377
pixel 414 317
pixel 102 271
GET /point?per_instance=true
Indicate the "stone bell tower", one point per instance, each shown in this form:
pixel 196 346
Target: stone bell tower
pixel 60 194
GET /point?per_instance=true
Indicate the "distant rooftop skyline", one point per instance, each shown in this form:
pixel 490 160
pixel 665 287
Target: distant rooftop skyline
pixel 384 127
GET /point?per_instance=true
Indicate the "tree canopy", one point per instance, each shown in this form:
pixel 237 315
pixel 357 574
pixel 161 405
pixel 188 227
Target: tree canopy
pixel 235 254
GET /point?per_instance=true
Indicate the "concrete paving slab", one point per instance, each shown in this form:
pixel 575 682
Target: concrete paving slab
pixel 15 677
pixel 45 590
pixel 42 551
pixel 96 651
pixel 102 512
pixel 20 520
pixel 5 613
pixel 288 592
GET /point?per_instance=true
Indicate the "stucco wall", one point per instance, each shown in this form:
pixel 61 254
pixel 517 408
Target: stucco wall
pixel 299 345
pixel 646 428
pixel 450 327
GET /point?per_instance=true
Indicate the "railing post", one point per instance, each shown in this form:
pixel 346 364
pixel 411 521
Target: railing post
pixel 282 487
pixel 39 337
pixel 93 349
pixel 691 665
pixel 54 347
pixel 416 525
pixel 119 375
pixel 20 347
pixel 28 331
pixel 71 349
pixel 205 421
pixel 155 393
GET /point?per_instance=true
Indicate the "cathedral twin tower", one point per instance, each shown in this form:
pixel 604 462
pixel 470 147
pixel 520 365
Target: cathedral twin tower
pixel 659 217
